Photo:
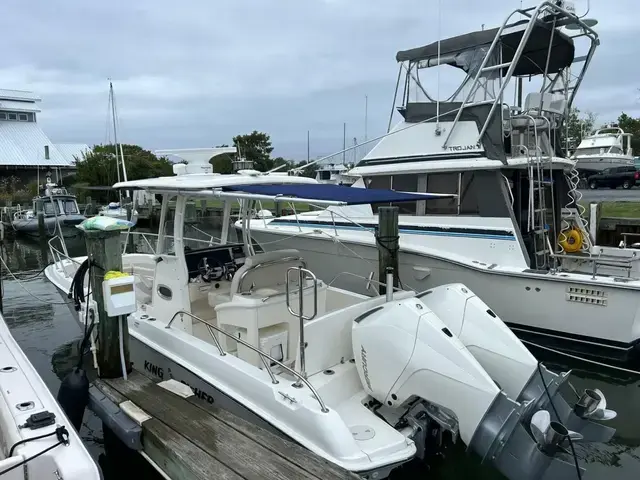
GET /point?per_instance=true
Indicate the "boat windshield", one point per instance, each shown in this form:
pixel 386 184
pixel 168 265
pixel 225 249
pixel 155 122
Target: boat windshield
pixel 49 208
pixel 70 206
pixel 202 223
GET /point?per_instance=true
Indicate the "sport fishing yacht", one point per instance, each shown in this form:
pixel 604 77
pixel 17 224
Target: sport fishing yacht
pixel 260 334
pixel 606 148
pixel 515 232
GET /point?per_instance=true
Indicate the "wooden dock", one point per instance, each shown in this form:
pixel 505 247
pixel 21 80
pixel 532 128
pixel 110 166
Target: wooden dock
pixel 190 439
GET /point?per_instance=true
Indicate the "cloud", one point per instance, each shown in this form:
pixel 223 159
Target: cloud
pixel 196 72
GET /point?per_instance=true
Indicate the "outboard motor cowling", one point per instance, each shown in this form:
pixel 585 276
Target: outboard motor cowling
pixel 405 352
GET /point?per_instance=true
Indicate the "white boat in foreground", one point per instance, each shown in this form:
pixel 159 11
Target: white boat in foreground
pixel 28 410
pixel 369 383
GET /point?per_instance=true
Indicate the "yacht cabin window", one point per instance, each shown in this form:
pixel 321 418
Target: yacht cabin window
pixel 480 193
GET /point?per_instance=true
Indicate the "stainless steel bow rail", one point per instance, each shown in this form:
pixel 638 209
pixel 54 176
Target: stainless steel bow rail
pixel 263 356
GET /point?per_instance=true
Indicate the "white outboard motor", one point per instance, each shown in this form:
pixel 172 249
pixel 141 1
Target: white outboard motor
pixel 404 350
pixel 507 361
pixel 512 366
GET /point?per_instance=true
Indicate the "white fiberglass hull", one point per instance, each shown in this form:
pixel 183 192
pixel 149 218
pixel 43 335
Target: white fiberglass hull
pixel 597 163
pixel 248 392
pixel 24 393
pixel 558 309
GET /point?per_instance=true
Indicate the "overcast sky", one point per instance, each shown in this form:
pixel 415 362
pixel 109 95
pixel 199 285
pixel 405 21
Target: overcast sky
pixel 193 73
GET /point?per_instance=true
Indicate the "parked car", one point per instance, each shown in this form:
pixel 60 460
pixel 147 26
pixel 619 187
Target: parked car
pixel 625 177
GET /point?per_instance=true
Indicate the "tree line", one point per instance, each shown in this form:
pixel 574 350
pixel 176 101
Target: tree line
pixel 97 170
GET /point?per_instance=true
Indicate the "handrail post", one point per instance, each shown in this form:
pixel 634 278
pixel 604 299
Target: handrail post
pixel 335 228
pixel 301 278
pixel 302 274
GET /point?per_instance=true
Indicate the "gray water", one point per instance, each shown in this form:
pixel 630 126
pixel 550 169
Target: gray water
pixel 42 325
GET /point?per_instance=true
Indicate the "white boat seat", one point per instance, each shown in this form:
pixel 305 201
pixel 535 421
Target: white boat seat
pixel 265 270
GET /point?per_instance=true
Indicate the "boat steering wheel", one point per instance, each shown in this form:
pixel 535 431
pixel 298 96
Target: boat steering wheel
pixel 211 273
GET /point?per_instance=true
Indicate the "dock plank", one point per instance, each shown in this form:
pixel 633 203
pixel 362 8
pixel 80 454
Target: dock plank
pixel 240 453
pixel 295 453
pixel 181 459
pixel 173 453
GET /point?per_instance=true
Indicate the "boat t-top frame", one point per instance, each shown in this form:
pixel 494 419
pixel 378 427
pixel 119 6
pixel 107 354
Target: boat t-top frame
pixel 525 47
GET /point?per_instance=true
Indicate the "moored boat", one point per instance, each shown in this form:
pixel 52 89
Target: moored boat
pixel 38 441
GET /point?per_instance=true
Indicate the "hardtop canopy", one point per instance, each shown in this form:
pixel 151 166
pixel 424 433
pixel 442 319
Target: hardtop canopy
pixel 532 61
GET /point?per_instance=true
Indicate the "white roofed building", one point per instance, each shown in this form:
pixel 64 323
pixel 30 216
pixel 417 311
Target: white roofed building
pixel 24 147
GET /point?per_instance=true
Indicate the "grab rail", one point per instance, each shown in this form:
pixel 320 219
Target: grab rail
pixel 266 264
pixel 57 256
pixel 303 273
pixel 622 263
pixel 263 356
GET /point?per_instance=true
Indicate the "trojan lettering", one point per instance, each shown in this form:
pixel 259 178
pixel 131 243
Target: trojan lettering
pixel 462 148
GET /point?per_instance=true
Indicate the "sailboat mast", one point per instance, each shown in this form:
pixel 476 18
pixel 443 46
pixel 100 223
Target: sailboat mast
pixel 115 130
pixel 115 139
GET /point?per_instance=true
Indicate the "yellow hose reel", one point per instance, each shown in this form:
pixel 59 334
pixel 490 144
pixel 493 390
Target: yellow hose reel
pixel 570 240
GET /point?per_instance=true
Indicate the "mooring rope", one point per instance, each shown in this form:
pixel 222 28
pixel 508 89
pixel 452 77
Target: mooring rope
pixel 20 283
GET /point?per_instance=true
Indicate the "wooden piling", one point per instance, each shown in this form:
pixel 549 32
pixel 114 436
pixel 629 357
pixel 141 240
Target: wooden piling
pixel 42 232
pixel 103 250
pixel 387 239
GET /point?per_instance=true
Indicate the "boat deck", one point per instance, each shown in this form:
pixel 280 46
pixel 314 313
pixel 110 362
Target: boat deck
pixel 189 438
